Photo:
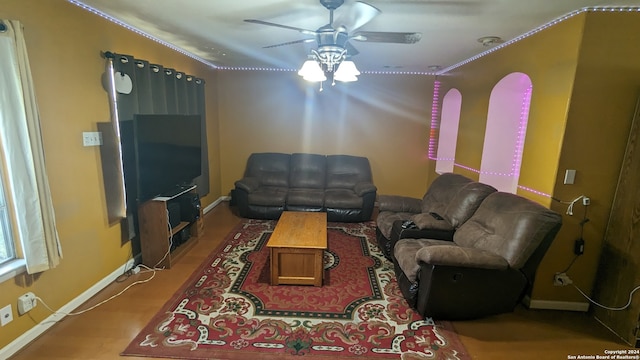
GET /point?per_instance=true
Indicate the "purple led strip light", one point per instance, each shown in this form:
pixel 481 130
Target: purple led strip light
pixel 433 142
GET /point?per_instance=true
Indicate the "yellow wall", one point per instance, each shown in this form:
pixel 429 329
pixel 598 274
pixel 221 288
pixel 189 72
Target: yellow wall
pixel 64 44
pixel 599 117
pixel 605 93
pixel 383 117
pixel 549 59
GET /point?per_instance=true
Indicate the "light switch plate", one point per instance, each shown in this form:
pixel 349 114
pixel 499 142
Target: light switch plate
pixel 569 177
pixel 6 315
pixel 91 138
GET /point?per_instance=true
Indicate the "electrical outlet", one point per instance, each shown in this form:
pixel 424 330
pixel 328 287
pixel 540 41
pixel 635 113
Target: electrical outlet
pixel 26 302
pixel 586 201
pixel 561 279
pixel 93 138
pixel 6 315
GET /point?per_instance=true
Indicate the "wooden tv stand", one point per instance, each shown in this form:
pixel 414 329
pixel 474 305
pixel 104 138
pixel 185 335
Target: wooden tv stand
pixel 156 234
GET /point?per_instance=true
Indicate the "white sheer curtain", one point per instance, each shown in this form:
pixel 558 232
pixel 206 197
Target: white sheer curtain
pixel 23 156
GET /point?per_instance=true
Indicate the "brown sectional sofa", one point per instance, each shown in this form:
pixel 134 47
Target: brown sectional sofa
pixel 340 185
pixel 471 251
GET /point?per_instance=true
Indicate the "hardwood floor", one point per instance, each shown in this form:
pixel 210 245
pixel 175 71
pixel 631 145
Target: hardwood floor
pixel 104 332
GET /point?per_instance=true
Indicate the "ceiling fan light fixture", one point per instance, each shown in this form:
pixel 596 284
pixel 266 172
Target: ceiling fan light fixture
pixel 311 71
pixel 347 72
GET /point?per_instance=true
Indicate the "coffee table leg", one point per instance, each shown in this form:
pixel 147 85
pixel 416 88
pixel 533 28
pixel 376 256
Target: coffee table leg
pixel 273 258
pixel 319 270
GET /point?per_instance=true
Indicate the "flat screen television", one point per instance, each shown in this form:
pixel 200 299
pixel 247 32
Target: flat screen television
pixel 168 151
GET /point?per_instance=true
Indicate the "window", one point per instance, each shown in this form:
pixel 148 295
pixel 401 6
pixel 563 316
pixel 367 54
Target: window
pixel 29 239
pixel 7 250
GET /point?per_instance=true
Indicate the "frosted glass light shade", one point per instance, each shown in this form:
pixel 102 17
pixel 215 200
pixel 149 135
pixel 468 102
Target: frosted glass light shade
pixel 347 72
pixel 311 71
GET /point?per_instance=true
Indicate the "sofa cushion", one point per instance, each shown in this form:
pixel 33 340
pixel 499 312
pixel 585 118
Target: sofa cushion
pixel 442 190
pixel 268 196
pixel 271 169
pixel 508 225
pixel 345 171
pixel 342 199
pixel 308 171
pixel 465 202
pixel 310 197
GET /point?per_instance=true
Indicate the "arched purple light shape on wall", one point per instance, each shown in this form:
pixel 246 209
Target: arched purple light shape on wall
pixel 448 135
pixel 505 132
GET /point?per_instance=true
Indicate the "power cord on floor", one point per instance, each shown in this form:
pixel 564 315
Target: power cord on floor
pixel 170 244
pixel 127 273
pixel 607 307
pixel 153 274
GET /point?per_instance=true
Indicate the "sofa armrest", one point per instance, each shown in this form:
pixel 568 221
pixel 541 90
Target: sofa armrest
pixel 248 184
pixel 397 203
pixel 432 221
pixel 453 255
pixel 398 231
pixel 362 188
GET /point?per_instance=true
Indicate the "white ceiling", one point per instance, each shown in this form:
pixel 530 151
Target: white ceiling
pixel 214 30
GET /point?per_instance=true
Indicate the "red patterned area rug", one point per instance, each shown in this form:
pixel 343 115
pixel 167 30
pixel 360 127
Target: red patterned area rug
pixel 228 310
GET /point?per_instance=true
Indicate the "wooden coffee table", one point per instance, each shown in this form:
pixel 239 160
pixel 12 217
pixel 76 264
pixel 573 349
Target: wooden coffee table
pixel 297 248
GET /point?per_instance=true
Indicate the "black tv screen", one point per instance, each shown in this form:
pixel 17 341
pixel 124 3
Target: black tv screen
pixel 168 153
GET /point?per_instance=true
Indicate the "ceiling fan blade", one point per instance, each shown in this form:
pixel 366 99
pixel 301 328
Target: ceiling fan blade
pixel 387 37
pixel 304 31
pixel 358 14
pixel 289 43
pixel 351 50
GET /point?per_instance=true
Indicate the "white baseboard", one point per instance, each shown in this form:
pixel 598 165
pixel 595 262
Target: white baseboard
pixel 31 334
pixel 215 203
pixel 555 305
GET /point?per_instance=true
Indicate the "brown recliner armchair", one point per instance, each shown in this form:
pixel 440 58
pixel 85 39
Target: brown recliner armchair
pixel 448 203
pixel 488 266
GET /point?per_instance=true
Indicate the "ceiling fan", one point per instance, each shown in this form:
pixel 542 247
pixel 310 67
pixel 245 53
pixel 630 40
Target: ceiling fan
pixel 342 30
pixel 334 38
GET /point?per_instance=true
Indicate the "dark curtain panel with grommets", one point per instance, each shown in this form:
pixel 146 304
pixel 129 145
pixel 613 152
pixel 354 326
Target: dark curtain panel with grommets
pixel 153 89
